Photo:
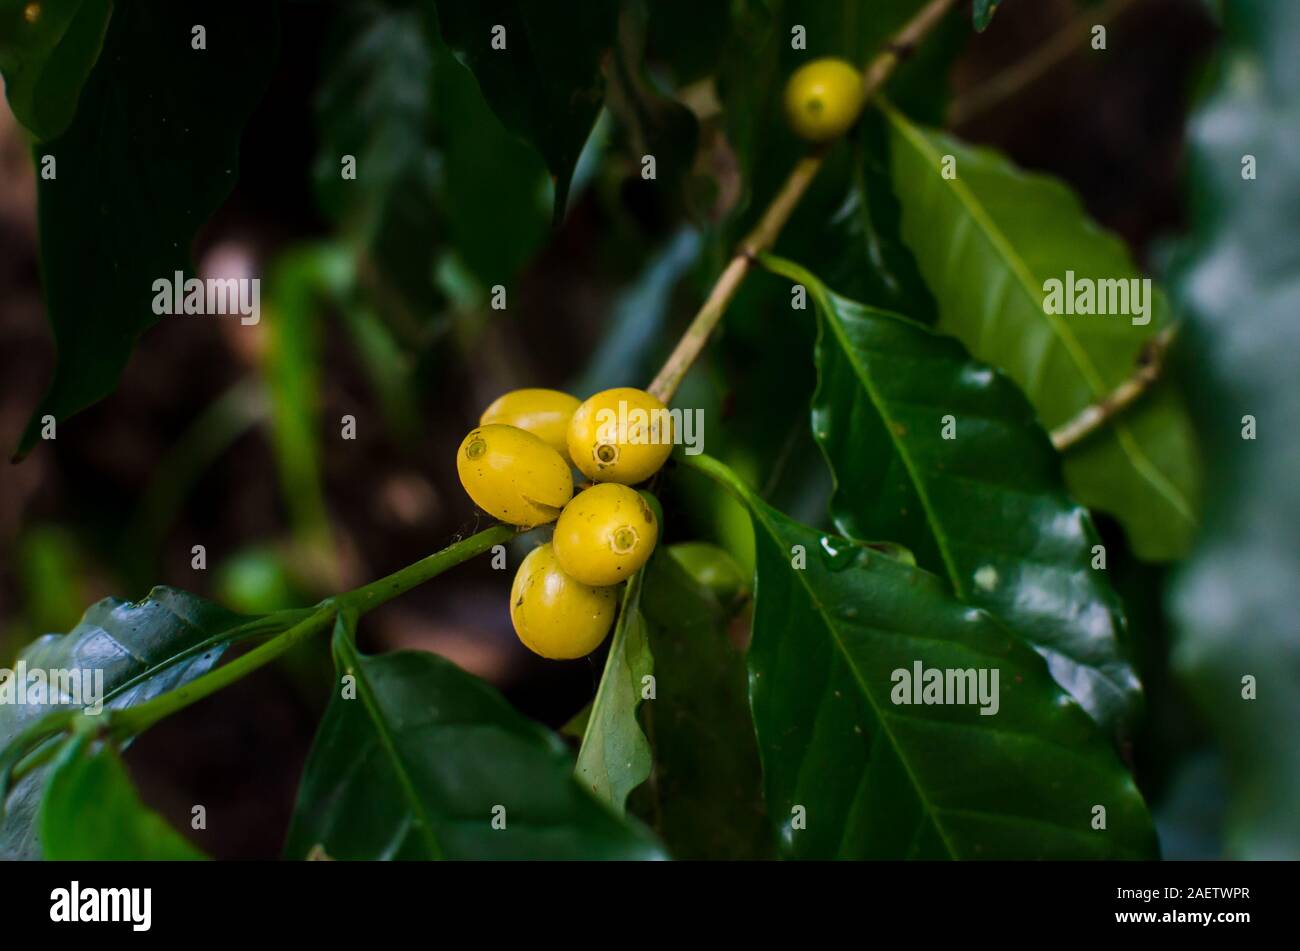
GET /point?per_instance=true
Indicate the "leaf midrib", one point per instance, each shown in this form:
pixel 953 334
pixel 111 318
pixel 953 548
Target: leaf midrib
pixel 1024 277
pixel 941 539
pixel 931 810
pixel 1132 449
pixel 757 509
pixel 386 741
pixel 631 605
pixel 922 491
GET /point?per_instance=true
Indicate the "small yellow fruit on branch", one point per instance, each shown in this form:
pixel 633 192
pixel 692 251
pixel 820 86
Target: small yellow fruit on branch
pixel 823 99
pixel 514 476
pixel 620 435
pixel 555 615
pixel 544 413
pixel 605 534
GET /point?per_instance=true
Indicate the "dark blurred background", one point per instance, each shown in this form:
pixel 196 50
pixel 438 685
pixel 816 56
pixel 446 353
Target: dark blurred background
pixel 190 449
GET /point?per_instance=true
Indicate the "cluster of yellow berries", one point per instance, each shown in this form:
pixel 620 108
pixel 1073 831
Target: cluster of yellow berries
pixel 515 465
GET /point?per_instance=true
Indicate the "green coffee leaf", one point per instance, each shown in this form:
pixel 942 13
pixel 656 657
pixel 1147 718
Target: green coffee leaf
pixel 135 651
pixel 841 632
pixel 871 263
pixel 986 509
pixel 988 238
pixel 434 166
pixel 705 796
pixel 152 153
pixel 614 757
pixel 540 72
pixel 91 812
pixel 47 50
pixel 376 169
pixel 416 759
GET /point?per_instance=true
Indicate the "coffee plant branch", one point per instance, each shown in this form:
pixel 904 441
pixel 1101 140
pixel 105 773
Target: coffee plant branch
pixel 33 747
pixel 1008 83
pixel 782 207
pixel 1094 417
pixel 134 720
pixel 13 763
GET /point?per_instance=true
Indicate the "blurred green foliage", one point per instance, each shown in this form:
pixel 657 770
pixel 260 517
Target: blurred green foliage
pixel 1236 648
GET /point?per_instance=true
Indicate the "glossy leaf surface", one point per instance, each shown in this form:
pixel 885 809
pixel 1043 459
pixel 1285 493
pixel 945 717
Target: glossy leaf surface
pixel 428 762
pixel 850 773
pixel 986 509
pixel 705 797
pixel 143 649
pixel 987 238
pixel 615 758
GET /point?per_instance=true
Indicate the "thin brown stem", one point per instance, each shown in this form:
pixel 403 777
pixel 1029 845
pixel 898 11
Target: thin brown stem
pixel 1093 418
pixel 1025 72
pixel 778 212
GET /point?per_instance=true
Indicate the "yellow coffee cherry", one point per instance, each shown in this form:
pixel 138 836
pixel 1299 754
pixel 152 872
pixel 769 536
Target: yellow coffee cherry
pixel 513 475
pixel 544 413
pixel 605 534
pixel 823 99
pixel 620 435
pixel 555 615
